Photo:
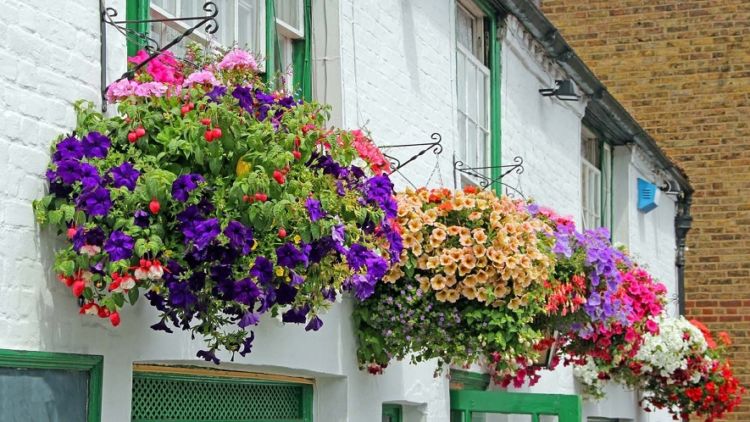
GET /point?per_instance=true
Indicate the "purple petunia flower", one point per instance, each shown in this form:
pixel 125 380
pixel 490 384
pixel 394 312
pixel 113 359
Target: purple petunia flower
pixel 96 145
pixel 240 237
pixel 285 294
pixel 314 324
pixel 244 97
pixel 247 344
pixel 376 267
pixel 363 288
pixel 248 318
pixel 180 295
pixel 91 237
pixel 287 255
pixel 95 203
pixel 197 230
pixel 141 218
pixel 208 356
pixel 216 93
pixel 69 148
pixel 245 291
pixel 296 279
pixel 185 184
pixel 89 176
pixel 161 326
pixel 296 315
pixel 125 175
pixel 69 171
pixel 314 209
pixel 119 246
pixel 329 293
pixel 357 256
pixel 262 270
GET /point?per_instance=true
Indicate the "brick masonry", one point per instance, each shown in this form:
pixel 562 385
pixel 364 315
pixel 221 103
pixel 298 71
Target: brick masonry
pixel 682 68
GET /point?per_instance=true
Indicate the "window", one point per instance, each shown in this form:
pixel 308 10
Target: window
pixel 596 181
pixel 165 393
pixel 55 387
pixel 473 79
pixel 392 413
pixel 285 43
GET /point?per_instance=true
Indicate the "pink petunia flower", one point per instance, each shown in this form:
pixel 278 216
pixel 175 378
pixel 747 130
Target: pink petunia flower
pixel 204 77
pixel 238 59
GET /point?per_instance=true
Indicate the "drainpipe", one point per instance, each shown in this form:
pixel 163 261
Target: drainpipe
pixel 682 223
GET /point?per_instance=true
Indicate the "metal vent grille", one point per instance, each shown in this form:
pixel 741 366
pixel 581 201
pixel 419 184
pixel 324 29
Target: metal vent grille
pixel 159 398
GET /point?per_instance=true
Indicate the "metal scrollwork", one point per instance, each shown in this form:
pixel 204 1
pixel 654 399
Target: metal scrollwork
pixel 108 15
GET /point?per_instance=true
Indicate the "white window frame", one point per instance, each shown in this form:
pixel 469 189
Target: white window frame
pixel 473 61
pixel 596 184
pixel 286 35
pixel 156 12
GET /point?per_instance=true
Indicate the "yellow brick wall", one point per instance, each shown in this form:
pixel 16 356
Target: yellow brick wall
pixel 682 68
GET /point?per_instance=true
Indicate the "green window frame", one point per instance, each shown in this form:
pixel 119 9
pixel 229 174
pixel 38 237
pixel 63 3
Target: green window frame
pixel 93 364
pixel 393 412
pixel 467 403
pixel 301 49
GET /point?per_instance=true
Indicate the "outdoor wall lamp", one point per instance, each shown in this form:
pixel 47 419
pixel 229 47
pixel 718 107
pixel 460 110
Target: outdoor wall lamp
pixel 565 91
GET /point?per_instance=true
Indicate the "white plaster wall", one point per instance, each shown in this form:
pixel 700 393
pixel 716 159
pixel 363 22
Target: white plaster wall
pixel 544 131
pixel 396 65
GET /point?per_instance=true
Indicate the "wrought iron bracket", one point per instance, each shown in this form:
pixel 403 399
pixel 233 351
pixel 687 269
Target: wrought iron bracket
pixel 107 17
pixel 435 147
pixel 487 181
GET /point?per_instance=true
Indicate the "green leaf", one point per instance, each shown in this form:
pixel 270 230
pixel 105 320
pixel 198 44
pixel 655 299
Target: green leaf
pixel 140 247
pixel 133 296
pixel 119 299
pixel 66 267
pixel 55 217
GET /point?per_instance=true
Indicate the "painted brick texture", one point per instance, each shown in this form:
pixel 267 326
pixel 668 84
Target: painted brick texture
pixel 682 68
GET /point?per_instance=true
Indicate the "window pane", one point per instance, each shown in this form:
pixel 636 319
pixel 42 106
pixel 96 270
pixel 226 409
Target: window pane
pixel 482 99
pixel 226 20
pixel 290 12
pixel 190 8
pixel 164 34
pixel 471 90
pixel 461 80
pixel 249 25
pixel 465 28
pixel 169 6
pixel 471 145
pixel 461 147
pixel 43 395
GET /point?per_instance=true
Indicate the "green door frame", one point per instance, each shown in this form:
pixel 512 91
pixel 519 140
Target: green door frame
pixel 93 364
pixel 394 412
pixel 567 408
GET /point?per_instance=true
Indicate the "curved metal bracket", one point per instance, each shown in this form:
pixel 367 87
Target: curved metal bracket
pixel 107 17
pixel 435 147
pixel 487 181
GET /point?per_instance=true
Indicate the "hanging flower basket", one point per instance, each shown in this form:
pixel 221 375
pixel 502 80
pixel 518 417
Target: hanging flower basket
pixel 218 200
pixel 468 289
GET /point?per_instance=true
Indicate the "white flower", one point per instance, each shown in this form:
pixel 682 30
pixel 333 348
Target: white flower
pixel 668 350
